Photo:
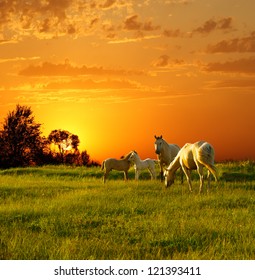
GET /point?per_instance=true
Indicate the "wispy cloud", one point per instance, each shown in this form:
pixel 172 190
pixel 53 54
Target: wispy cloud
pixel 134 23
pixel 243 65
pixel 48 19
pixel 233 84
pixel 8 41
pixel 91 84
pixel 165 62
pixel 13 59
pixel 67 69
pixel 173 33
pixel 241 45
pixel 133 39
pixel 211 25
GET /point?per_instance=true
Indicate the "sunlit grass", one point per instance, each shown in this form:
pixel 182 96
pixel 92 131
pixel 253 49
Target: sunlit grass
pixel 68 213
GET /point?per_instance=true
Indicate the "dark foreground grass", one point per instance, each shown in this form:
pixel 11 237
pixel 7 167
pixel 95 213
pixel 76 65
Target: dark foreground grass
pixel 67 213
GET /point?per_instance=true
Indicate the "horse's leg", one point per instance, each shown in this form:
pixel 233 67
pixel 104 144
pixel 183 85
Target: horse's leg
pixel 105 175
pixel 209 180
pixel 201 175
pixel 137 173
pixel 187 174
pixel 181 174
pixel 152 172
pixel 125 175
pixel 161 172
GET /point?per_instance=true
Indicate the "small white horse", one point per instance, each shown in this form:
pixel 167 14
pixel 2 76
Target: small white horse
pixel 140 165
pixel 193 157
pixel 166 153
pixel 122 164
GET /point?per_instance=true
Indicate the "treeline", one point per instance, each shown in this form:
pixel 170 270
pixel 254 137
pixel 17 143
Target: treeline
pixel 22 143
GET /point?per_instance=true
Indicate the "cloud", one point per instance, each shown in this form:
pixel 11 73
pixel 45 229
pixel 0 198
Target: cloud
pixel 164 61
pixel 137 38
pixel 207 27
pixel 52 18
pixel 108 4
pixel 173 33
pixel 176 2
pixel 142 30
pixel 244 65
pixel 234 83
pixel 213 24
pixel 133 23
pixel 91 84
pixel 36 17
pixel 66 69
pixel 46 19
pixel 246 44
pixel 3 60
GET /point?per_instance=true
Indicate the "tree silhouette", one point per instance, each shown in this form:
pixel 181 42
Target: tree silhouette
pixel 22 143
pixel 21 140
pixel 65 141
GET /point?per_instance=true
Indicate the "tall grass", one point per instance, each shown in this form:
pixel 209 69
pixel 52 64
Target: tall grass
pixel 68 213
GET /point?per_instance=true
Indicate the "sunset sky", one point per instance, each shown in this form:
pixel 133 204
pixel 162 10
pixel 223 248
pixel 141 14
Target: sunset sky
pixel 117 72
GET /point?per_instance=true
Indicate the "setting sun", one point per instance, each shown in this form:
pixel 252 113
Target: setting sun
pixel 116 73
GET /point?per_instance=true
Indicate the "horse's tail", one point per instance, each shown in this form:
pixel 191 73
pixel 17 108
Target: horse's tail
pixel 206 157
pixel 213 170
pixel 103 164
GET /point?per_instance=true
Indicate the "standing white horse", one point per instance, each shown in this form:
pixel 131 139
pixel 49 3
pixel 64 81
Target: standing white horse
pixel 193 157
pixel 139 165
pixel 166 153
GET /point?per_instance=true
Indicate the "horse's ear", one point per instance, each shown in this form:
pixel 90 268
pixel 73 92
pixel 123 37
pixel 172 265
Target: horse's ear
pixel 155 137
pixel 160 136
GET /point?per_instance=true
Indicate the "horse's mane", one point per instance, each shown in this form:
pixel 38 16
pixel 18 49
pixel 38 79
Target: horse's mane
pixel 127 155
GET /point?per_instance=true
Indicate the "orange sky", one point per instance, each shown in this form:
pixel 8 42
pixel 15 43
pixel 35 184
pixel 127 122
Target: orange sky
pixel 117 72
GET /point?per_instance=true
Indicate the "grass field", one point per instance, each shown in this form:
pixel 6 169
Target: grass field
pixel 68 213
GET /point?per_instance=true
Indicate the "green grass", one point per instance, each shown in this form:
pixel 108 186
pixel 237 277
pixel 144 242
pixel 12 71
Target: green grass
pixel 68 213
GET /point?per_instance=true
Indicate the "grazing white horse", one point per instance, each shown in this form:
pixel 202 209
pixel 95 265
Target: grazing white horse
pixel 193 157
pixel 166 153
pixel 140 165
pixel 122 164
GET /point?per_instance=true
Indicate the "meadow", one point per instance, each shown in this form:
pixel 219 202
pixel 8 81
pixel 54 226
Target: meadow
pixel 60 212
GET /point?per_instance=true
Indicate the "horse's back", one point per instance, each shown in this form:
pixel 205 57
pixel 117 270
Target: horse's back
pixel 204 152
pixel 117 164
pixel 201 152
pixel 150 162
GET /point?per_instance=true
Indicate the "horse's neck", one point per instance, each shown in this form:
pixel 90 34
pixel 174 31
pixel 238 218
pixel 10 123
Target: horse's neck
pixel 138 159
pixel 167 150
pixel 126 157
pixel 175 163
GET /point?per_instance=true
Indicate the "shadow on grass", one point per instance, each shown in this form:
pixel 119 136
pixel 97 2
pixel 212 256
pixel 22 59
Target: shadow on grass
pixel 237 176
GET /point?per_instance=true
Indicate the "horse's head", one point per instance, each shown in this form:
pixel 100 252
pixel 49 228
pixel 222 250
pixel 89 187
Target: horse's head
pixel 169 177
pixel 132 156
pixel 158 144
